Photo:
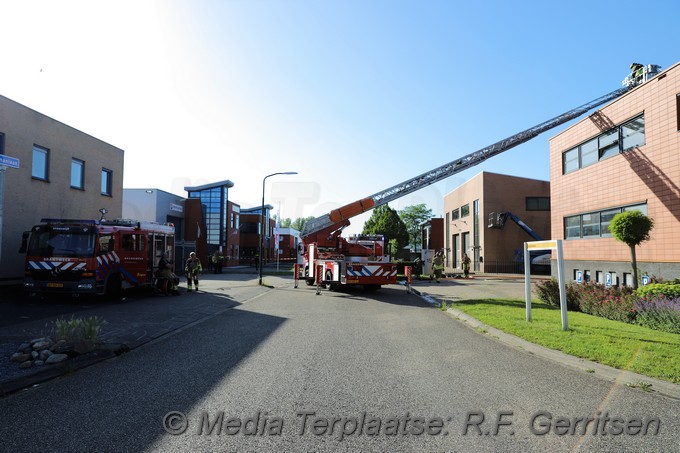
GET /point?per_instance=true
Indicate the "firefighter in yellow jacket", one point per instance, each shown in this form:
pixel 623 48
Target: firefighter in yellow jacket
pixel 192 269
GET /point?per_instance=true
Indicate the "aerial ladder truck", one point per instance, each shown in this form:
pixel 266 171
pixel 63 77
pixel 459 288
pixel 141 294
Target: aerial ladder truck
pixel 332 260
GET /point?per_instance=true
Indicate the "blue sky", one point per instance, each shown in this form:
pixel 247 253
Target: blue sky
pixel 356 96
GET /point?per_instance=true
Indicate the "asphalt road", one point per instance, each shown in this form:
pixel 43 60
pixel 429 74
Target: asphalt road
pixel 379 371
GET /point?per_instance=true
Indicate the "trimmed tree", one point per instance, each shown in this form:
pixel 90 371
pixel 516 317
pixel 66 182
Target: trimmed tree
pixel 631 228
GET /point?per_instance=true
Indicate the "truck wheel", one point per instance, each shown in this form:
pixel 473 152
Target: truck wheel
pixel 308 280
pixel 328 277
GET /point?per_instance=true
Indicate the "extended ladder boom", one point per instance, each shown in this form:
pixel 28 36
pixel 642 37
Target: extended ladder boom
pixel 339 218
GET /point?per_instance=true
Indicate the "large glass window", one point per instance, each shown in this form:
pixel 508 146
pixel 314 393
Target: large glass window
pixel 626 136
pixel 609 144
pixel 77 173
pixel 595 224
pixel 572 227
pixel 589 153
pixel 538 203
pixel 455 214
pixel 465 210
pixel 633 133
pixel 107 177
pixel 605 218
pixel 570 161
pixel 40 164
pixel 591 224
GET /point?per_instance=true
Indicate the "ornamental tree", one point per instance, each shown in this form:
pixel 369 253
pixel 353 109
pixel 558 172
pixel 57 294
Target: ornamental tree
pixel 631 228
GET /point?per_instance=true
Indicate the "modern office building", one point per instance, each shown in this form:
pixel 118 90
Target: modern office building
pixel 218 226
pixel 490 217
pixel 624 156
pixel 251 221
pixel 62 173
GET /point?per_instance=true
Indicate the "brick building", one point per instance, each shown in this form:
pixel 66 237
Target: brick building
pixel 624 156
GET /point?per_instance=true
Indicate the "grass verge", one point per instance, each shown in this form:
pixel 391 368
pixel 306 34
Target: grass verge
pixel 624 346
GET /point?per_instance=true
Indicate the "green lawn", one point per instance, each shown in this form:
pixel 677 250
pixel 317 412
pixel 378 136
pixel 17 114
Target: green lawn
pixel 620 345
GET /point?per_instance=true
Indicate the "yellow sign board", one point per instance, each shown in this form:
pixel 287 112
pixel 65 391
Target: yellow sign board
pixel 542 245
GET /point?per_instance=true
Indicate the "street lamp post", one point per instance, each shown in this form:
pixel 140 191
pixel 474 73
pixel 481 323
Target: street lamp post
pixel 262 226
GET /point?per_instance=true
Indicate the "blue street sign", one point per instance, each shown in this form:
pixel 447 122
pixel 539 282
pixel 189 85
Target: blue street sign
pixel 645 280
pixel 608 279
pixel 9 161
pixel 579 276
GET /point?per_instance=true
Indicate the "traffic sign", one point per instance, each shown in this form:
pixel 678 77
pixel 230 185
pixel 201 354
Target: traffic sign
pixel 608 279
pixel 9 161
pixel 645 280
pixel 579 277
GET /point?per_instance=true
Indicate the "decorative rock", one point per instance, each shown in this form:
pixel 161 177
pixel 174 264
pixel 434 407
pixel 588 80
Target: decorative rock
pixel 35 340
pixel 34 355
pixel 26 364
pixel 40 345
pixel 56 358
pixel 44 354
pixel 25 348
pixel 39 363
pixel 19 357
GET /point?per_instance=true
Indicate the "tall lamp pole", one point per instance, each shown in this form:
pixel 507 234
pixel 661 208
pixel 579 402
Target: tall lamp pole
pixel 262 226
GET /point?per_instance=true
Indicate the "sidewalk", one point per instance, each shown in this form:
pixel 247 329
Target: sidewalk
pixel 127 326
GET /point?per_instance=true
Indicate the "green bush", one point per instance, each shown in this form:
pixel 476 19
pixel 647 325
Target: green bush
pixel 79 329
pixel 612 303
pixel 548 292
pixel 670 289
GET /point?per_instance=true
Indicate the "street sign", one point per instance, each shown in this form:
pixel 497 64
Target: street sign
pixel 645 280
pixel 608 279
pixel 579 277
pixel 9 161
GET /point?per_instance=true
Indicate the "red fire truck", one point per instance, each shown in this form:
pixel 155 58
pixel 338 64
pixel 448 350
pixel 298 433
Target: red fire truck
pixel 94 257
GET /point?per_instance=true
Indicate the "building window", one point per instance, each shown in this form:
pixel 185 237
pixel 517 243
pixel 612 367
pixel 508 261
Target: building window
pixel 677 109
pixel 107 177
pixel 590 224
pixel 2 143
pixel 596 224
pixel 465 210
pixel 633 133
pixel 589 153
pixel 455 214
pixel 572 227
pixel 77 174
pixel 621 138
pixel 40 163
pixel 608 144
pixel 570 161
pixel 537 203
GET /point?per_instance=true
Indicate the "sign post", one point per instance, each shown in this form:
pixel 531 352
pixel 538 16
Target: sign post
pixel 545 245
pixel 5 161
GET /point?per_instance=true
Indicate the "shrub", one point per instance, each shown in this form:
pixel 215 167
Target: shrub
pixel 612 303
pixel 548 292
pixel 670 289
pixel 659 312
pixel 79 329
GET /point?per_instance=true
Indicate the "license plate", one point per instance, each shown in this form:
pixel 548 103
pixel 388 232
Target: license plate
pixel 55 285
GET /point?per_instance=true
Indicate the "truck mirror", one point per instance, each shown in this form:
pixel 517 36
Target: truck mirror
pixel 24 241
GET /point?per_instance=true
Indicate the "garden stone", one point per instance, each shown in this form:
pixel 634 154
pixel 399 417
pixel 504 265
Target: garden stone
pixel 56 358
pixel 26 364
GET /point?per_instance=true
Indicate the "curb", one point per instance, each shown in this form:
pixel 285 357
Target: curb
pixel 49 372
pixel 605 372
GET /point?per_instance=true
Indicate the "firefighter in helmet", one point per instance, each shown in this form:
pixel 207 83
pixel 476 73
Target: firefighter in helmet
pixel 192 269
